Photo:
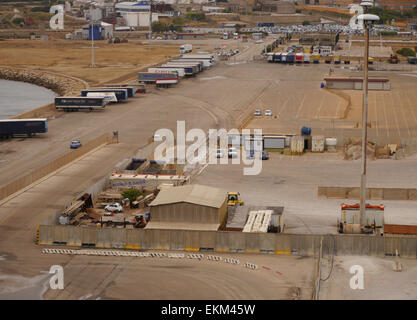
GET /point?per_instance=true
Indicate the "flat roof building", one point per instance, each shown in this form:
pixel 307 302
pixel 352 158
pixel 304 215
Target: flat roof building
pixel 189 207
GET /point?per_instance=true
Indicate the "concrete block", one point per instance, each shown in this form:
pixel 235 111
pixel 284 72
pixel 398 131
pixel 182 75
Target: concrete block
pixel 412 194
pixel 395 194
pixel 376 193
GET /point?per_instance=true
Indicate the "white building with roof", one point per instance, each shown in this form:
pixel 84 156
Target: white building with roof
pixel 136 14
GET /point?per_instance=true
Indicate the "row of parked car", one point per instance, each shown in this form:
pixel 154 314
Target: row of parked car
pixel 258 113
pixel 232 152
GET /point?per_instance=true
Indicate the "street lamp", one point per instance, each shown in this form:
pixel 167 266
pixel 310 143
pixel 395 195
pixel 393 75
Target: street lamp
pixel 368 21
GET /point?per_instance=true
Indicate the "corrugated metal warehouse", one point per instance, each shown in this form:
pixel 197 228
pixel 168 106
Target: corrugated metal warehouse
pixel 189 207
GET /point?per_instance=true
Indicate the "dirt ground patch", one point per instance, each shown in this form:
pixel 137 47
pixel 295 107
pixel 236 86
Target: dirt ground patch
pixel 73 58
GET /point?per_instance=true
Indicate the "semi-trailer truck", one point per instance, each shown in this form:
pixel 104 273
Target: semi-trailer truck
pixel 200 56
pixel 151 77
pixel 188 70
pixel 185 48
pixel 179 71
pixel 121 93
pixel 79 103
pixel 206 63
pixel 29 127
pixel 196 67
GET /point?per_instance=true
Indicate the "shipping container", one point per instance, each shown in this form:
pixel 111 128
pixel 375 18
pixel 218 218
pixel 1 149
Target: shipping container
pixel 297 145
pixel 290 58
pixel 299 57
pixel 29 127
pixel 317 144
pixel 274 142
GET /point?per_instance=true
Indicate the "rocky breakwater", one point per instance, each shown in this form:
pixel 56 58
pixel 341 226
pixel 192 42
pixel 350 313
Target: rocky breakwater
pixel 61 84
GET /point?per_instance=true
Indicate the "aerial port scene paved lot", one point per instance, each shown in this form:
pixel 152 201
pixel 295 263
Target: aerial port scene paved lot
pixel 263 152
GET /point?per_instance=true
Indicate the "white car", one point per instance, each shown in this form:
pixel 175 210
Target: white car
pixel 232 153
pixel 257 112
pixel 113 207
pixel 268 113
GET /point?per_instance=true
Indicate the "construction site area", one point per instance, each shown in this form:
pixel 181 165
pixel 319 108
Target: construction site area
pixel 110 209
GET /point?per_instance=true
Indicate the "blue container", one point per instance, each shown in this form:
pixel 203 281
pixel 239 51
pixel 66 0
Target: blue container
pixel 322 85
pixel 96 32
pixel 305 131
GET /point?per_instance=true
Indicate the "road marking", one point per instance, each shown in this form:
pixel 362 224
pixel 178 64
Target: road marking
pixel 321 106
pixel 386 118
pixel 402 111
pixel 301 106
pixel 395 116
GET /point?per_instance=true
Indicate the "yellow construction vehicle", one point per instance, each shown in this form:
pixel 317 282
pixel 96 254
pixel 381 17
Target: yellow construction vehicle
pixel 233 199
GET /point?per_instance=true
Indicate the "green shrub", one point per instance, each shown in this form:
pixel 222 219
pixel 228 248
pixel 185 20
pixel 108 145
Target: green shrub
pixel 406 52
pixel 306 23
pixel 18 20
pixel 132 194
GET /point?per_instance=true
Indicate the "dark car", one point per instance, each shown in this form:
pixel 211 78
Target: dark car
pixel 75 144
pixel 265 155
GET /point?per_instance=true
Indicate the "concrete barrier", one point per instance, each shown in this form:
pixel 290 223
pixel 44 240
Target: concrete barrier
pixel 371 193
pixel 228 241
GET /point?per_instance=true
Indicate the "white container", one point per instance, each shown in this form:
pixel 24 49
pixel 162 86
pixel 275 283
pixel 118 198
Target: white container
pixel 317 144
pixel 331 142
pixel 297 144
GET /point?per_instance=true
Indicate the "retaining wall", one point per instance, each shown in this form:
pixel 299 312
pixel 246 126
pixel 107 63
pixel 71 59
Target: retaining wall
pixel 227 241
pixel 48 168
pixel 371 193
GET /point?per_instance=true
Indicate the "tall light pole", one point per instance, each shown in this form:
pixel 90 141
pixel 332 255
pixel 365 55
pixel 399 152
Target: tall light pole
pixel 150 24
pixel 368 20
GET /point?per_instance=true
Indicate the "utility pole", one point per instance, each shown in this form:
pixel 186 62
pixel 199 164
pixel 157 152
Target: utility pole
pixel 150 24
pixel 367 19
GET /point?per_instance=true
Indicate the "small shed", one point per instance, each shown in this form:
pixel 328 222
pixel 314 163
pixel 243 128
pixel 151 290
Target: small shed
pixel 189 207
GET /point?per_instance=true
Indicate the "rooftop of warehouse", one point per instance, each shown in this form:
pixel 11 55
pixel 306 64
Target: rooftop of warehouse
pixel 196 194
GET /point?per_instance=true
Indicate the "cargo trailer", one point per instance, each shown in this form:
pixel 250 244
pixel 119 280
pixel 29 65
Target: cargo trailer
pixel 121 93
pixel 165 82
pixel 197 65
pixel 290 58
pixel 137 87
pixel 209 56
pixel 284 56
pixel 130 90
pixel 79 103
pixel 270 57
pixel 193 67
pixel 108 96
pixel 299 57
pixel 151 77
pixel 277 57
pixel 316 59
pixel 306 58
pixel 179 72
pixel 205 63
pixel 188 70
pixel 29 127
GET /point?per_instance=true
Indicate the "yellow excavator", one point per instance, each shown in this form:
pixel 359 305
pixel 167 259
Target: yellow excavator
pixel 233 199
